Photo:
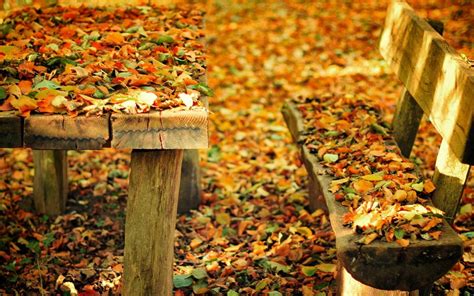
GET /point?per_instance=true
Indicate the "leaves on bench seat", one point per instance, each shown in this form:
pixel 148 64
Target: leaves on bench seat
pixel 385 197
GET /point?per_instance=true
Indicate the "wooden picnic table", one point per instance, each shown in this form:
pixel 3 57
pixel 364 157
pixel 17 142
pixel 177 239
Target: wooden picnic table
pixel 157 140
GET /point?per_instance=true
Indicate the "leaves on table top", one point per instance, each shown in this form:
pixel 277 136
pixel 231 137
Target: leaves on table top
pixel 124 51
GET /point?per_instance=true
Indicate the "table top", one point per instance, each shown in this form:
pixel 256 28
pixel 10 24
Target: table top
pixel 86 78
pixel 167 129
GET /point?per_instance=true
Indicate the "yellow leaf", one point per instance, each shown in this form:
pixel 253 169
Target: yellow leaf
pixel 326 267
pixel 304 231
pixel 223 218
pixel 373 177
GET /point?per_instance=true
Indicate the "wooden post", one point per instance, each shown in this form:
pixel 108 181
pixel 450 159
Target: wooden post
pixel 450 177
pixel 150 222
pixel 190 188
pixel 50 186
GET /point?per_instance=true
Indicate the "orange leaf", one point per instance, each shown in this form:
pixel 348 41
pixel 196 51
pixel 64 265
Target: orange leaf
pixel 24 104
pixel 403 242
pixel 428 186
pixel 6 106
pixel 25 86
pixel 114 38
pixel 362 185
pixel 67 32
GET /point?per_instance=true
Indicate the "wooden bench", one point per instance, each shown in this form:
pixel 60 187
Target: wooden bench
pixel 441 85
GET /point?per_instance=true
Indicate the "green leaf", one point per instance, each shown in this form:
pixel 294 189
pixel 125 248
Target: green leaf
pixel 379 129
pixel 466 209
pixel 98 94
pixel 329 157
pixel 59 61
pixel 182 280
pixel 426 236
pixel 232 293
pixel 277 267
pixel 261 285
pixel 3 93
pixel 34 246
pixel 46 84
pixel 203 89
pixel 417 186
pixel 6 28
pixel 331 133
pixel 399 233
pixel 49 239
pixel 214 154
pixel 308 270
pixel 469 234
pixel 326 267
pixel 275 293
pixel 199 273
pixel 163 39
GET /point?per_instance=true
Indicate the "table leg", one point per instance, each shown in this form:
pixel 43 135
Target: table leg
pixel 190 188
pixel 50 185
pixel 150 222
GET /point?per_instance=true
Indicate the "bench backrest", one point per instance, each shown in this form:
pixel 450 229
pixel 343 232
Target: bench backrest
pixel 440 84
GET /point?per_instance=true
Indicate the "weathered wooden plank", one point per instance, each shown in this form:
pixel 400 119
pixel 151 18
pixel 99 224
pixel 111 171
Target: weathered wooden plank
pixel 65 132
pixel 408 114
pixel 347 285
pixel 450 177
pixel 169 129
pixel 150 221
pixel 50 185
pixel 382 265
pixel 184 130
pixel 406 121
pixel 190 187
pixel 11 130
pixel 435 75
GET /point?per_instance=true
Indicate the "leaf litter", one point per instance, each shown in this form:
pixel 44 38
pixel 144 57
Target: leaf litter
pixel 254 232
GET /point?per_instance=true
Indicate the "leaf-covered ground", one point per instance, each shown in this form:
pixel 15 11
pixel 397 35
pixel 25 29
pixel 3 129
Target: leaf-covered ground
pixel 254 232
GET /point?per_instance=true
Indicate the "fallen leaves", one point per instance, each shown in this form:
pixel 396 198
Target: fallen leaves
pixel 104 60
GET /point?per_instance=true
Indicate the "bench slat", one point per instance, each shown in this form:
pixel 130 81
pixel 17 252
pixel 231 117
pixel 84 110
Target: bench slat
pixel 380 264
pixel 435 75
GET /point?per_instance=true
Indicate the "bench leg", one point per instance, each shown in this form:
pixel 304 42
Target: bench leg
pixel 150 222
pixel 190 188
pixel 450 177
pixel 348 286
pixel 50 185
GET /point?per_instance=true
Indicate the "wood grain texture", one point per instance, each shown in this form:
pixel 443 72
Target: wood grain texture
pixel 406 122
pixel 150 221
pixel 408 113
pixel 190 187
pixel 435 75
pixel 169 129
pixel 450 178
pixel 381 265
pixel 11 130
pixel 347 285
pixel 65 132
pixel 50 184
